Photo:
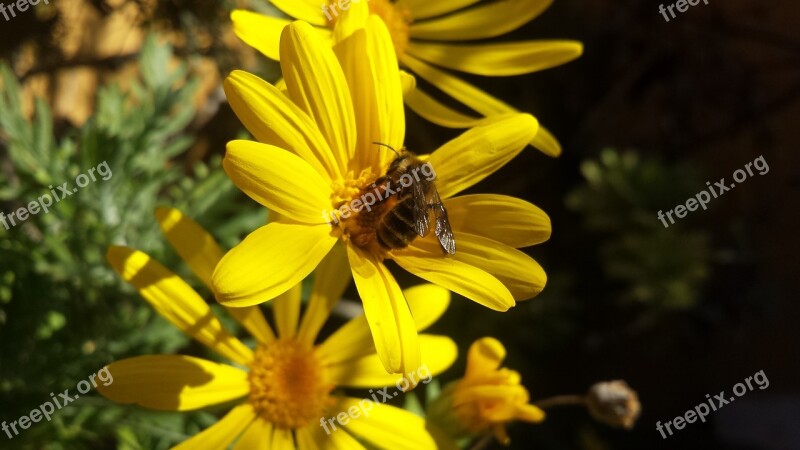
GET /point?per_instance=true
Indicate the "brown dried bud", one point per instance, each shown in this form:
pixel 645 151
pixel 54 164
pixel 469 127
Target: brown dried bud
pixel 614 403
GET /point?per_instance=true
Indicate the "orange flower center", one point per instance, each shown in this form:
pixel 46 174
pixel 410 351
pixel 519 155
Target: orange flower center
pixel 358 208
pixel 397 18
pixel 288 385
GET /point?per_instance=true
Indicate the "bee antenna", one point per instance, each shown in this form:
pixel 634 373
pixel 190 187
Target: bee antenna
pixel 387 146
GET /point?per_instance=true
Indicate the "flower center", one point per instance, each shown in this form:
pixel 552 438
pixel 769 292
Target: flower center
pixel 288 385
pixel 360 204
pixel 397 18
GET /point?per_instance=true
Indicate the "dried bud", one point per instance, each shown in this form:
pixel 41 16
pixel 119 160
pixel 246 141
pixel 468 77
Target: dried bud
pixel 614 403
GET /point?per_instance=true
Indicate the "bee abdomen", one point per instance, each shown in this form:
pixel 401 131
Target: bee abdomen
pixel 397 227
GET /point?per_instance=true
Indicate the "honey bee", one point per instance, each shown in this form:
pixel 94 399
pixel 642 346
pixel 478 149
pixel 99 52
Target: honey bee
pixel 404 207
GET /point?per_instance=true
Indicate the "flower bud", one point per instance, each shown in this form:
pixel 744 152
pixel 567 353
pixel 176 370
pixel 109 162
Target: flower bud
pixel 614 403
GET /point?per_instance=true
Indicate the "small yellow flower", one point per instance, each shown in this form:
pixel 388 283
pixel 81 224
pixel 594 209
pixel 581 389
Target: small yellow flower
pixel 287 384
pixel 430 35
pixel 316 153
pixel 486 399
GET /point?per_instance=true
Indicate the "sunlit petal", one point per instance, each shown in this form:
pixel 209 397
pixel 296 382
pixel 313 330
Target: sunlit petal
pixel 269 261
pixel 387 426
pixel 480 151
pixel 287 311
pixel 325 97
pixel 279 180
pixel 273 119
pixel 307 10
pixel 330 280
pixel 438 354
pixel 459 277
pixel 483 21
pixel 393 328
pixel 500 59
pixel 423 9
pixel 176 301
pixel 202 253
pixel 223 433
pixel 173 382
pixel 502 218
pixel 427 303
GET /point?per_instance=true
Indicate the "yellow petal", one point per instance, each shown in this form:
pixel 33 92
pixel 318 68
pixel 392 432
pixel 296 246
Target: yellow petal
pixel 258 436
pixel 502 218
pixel 269 261
pixel 422 9
pixel 427 303
pixel 388 89
pixel 223 433
pixel 529 413
pixel 504 396
pixel 349 20
pixel 385 426
pixel 173 382
pixel 287 311
pixel 459 277
pixel 498 60
pixel 202 253
pixel 475 99
pixel 259 31
pixel 193 243
pixel 483 21
pixel 438 354
pixel 176 301
pixel 480 151
pixel 330 280
pixel 306 10
pixel 546 142
pixel 433 111
pixel 278 180
pixel 408 82
pixel 485 355
pixel 313 437
pixel 518 272
pixel 262 435
pixel 361 81
pixel 393 328
pixel 316 83
pixel 352 340
pixel 273 119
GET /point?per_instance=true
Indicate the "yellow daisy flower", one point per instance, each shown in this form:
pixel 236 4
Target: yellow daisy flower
pixel 317 152
pixel 286 386
pixel 485 400
pixel 428 36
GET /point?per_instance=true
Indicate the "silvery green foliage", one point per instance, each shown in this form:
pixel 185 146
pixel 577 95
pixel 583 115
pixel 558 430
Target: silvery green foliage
pixel 63 311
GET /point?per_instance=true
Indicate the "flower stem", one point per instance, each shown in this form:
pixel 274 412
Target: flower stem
pixel 561 400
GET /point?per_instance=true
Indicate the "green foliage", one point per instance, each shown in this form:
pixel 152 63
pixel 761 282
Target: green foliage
pixel 63 311
pixel 653 266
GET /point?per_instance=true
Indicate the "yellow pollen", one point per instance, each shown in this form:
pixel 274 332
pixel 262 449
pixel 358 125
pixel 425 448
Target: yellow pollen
pixel 397 18
pixel 358 209
pixel 288 385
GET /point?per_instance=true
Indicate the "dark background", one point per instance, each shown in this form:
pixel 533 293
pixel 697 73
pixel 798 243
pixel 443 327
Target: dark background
pixel 693 99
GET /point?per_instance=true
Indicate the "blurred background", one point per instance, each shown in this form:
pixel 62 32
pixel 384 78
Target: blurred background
pixel 649 114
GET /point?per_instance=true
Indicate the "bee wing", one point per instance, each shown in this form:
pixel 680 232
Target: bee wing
pixel 420 210
pixel 443 231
